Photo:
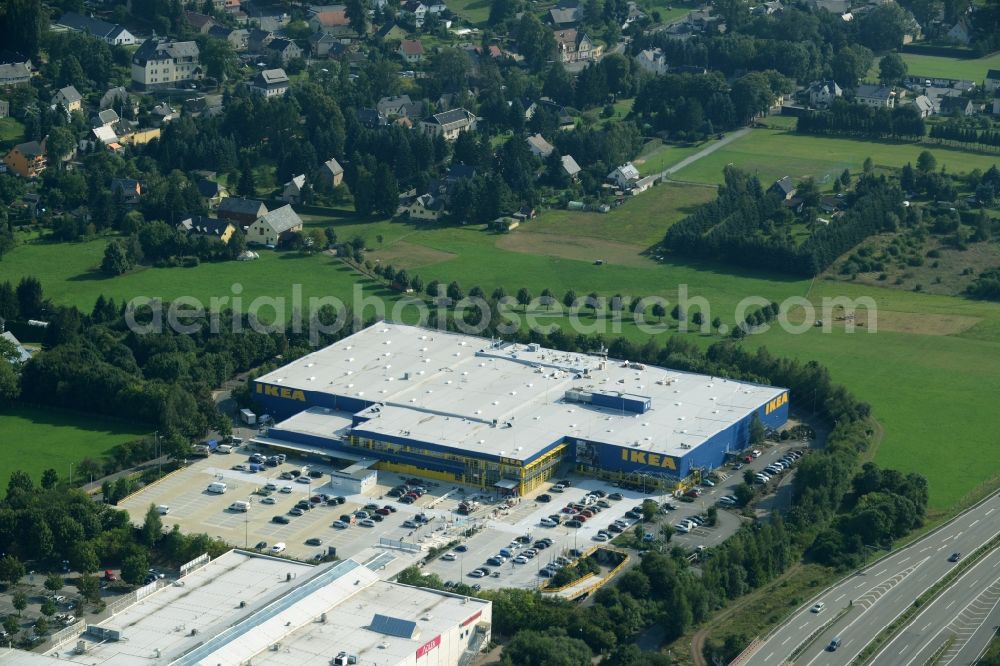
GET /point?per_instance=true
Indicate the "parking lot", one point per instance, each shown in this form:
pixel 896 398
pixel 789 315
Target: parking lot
pixel 496 522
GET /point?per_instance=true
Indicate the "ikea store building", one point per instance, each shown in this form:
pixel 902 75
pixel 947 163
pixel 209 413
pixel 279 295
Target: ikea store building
pixel 506 416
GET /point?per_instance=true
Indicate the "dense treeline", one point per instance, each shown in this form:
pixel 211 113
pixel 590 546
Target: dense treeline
pixel 957 132
pixel 748 226
pixel 860 120
pixel 986 285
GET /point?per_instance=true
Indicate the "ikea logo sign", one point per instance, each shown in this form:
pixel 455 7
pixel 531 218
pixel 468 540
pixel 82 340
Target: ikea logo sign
pixel 776 403
pixel 651 459
pixel 281 392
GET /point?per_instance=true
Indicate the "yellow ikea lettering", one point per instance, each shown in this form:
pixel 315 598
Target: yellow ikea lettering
pixel 286 393
pixel 639 457
pixel 776 403
pixel 653 459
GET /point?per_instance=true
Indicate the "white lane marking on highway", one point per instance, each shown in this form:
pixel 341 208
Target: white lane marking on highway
pixel 949 605
pixel 973 523
pixel 768 657
pixel 942 548
pixel 925 627
pixel 990 511
pixel 861 585
pixel 925 548
pixel 881 572
pixel 904 559
pixel 786 640
pixel 804 624
pixel 905 648
pixel 839 598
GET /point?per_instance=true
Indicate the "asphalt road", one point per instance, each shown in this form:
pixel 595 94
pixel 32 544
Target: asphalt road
pixel 876 595
pixel 959 615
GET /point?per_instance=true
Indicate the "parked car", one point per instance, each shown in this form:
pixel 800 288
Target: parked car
pixel 281 520
pixel 366 522
pixel 543 498
pixel 278 548
pixel 286 489
pixel 296 511
pixel 269 500
pixel 449 557
pixel 314 541
pixel 340 525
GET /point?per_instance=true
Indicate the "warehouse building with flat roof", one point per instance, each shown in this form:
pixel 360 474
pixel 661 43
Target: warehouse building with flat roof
pixel 506 415
pixel 244 608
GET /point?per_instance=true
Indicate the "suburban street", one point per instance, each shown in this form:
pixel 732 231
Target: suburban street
pixel 876 595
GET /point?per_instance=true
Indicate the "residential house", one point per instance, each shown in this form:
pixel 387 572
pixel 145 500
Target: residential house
pixel 326 45
pixel 105 134
pixel 199 225
pixel 163 113
pixel 956 106
pixel 105 118
pixel 269 83
pixel 416 9
pixel 117 98
pixel 69 97
pixel 27 159
pixel 767 8
pixel 211 191
pixel 238 38
pixel 539 146
pixel 833 6
pixel 563 117
pixel 23 355
pixel 390 32
pixel 165 64
pixel 625 176
pixel 458 172
pixel 285 49
pixel 14 74
pixel 961 32
pixel 822 93
pixel 200 23
pixel 633 14
pixel 574 46
pixel 371 118
pixel 399 106
pixel 330 174
pixel 925 107
pixel 425 207
pixel 411 50
pixel 875 95
pixel 565 17
pixel 115 35
pixel 292 191
pixel 570 166
pixel 783 187
pixel 328 17
pixel 449 124
pixel 653 61
pixel 274 227
pixel 258 39
pixel 126 190
pixel 241 210
pixel 992 81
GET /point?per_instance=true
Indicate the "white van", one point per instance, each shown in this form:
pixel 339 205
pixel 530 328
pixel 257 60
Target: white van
pixel 217 487
pixel 240 506
pixel 223 448
pixel 163 509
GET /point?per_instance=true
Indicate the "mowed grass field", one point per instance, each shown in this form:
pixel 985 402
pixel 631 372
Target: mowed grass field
pixel 973 69
pixel 772 154
pixel 38 438
pixel 931 372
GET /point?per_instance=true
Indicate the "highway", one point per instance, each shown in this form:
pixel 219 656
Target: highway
pixel 872 598
pixel 959 615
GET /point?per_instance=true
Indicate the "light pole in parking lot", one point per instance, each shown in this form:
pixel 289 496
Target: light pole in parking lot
pixel 246 524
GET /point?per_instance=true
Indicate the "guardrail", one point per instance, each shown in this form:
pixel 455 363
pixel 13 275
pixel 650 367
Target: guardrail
pixel 889 554
pixel 902 620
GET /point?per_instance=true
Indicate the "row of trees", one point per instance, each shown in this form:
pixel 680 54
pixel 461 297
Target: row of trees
pixel 957 132
pixel 860 120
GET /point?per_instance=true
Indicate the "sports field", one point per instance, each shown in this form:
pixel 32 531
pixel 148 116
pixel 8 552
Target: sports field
pixel 36 439
pixel 772 154
pixel 973 69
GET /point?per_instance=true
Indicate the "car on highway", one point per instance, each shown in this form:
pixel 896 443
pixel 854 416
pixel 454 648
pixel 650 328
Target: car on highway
pixel 818 607
pixel 955 557
pixel 834 644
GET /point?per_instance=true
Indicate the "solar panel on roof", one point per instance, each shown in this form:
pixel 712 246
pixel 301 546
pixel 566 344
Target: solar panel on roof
pixel 393 626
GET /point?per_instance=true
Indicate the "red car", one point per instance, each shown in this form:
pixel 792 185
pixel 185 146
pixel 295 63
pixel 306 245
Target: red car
pixel 390 508
pixel 588 514
pixel 582 518
pixel 383 512
pixel 568 509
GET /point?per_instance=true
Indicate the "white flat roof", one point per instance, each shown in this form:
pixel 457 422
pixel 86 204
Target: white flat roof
pixel 320 612
pixel 448 389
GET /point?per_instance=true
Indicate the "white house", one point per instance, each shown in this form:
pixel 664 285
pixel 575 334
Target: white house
pixel 822 93
pixel 165 64
pixel 292 192
pixel 924 105
pixel 425 207
pixel 539 146
pixel 23 355
pixel 624 176
pixel 992 81
pixel 570 166
pixel 69 97
pixel 449 124
pixel 115 35
pixel 274 227
pixel 880 96
pixel 653 61
pixel 270 83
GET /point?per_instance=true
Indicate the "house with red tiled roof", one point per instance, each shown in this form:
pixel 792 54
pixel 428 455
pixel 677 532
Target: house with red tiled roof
pixel 411 50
